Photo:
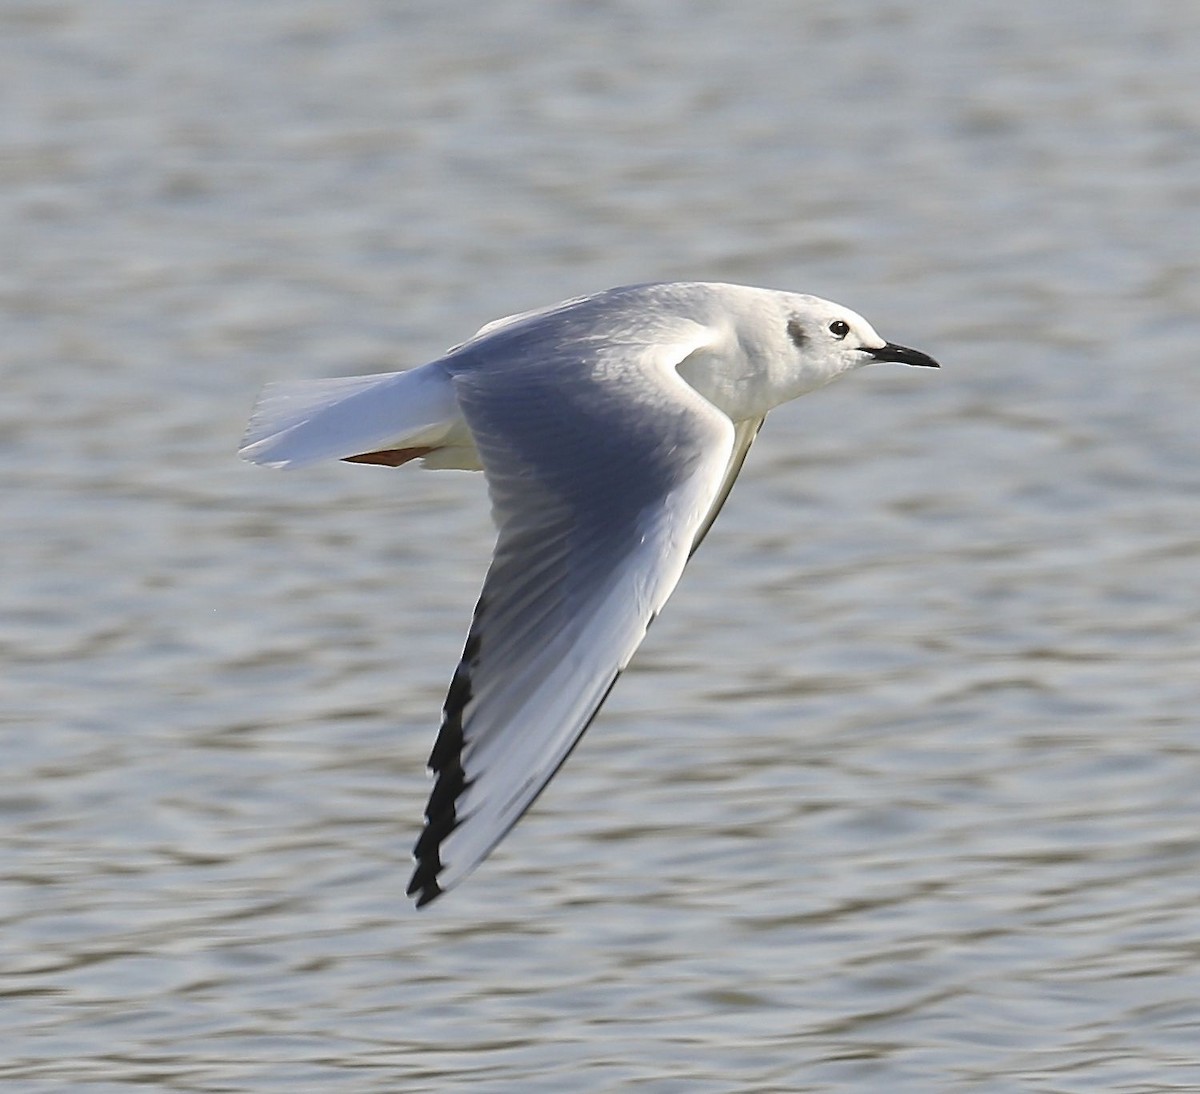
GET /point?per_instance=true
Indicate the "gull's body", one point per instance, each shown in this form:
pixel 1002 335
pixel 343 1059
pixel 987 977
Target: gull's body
pixel 610 429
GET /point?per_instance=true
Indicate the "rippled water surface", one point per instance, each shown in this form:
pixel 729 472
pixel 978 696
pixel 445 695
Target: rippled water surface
pixel 901 792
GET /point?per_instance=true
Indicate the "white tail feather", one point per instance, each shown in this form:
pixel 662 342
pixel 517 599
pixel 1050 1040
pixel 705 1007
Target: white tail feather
pixel 298 422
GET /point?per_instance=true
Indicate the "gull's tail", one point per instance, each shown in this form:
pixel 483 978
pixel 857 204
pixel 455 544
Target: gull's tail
pixel 389 418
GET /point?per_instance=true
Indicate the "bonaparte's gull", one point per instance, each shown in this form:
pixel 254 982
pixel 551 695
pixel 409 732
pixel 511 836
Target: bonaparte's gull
pixel 610 429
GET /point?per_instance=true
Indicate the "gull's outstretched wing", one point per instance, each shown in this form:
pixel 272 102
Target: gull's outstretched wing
pixel 603 465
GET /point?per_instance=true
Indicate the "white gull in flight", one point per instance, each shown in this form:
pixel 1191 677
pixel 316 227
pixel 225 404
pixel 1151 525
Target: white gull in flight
pixel 610 429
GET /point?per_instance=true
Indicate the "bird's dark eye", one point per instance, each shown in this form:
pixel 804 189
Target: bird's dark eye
pixel 839 328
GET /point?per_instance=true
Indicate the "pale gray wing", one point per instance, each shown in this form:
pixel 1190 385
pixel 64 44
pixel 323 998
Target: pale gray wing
pixel 602 463
pixel 744 433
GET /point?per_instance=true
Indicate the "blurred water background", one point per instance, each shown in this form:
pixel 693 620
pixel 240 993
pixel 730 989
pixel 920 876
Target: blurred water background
pixel 902 791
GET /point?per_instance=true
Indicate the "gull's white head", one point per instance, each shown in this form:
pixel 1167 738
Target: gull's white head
pixel 775 346
pixel 821 340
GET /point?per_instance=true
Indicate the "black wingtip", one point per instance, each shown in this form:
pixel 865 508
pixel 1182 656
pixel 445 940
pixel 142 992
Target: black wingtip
pixel 429 895
pixel 424 887
pixel 445 761
pixel 441 818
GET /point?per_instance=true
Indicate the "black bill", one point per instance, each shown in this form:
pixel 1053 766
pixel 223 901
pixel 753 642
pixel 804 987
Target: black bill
pixel 902 355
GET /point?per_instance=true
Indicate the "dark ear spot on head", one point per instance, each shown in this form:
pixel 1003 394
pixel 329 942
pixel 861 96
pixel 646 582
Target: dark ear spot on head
pixel 796 332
